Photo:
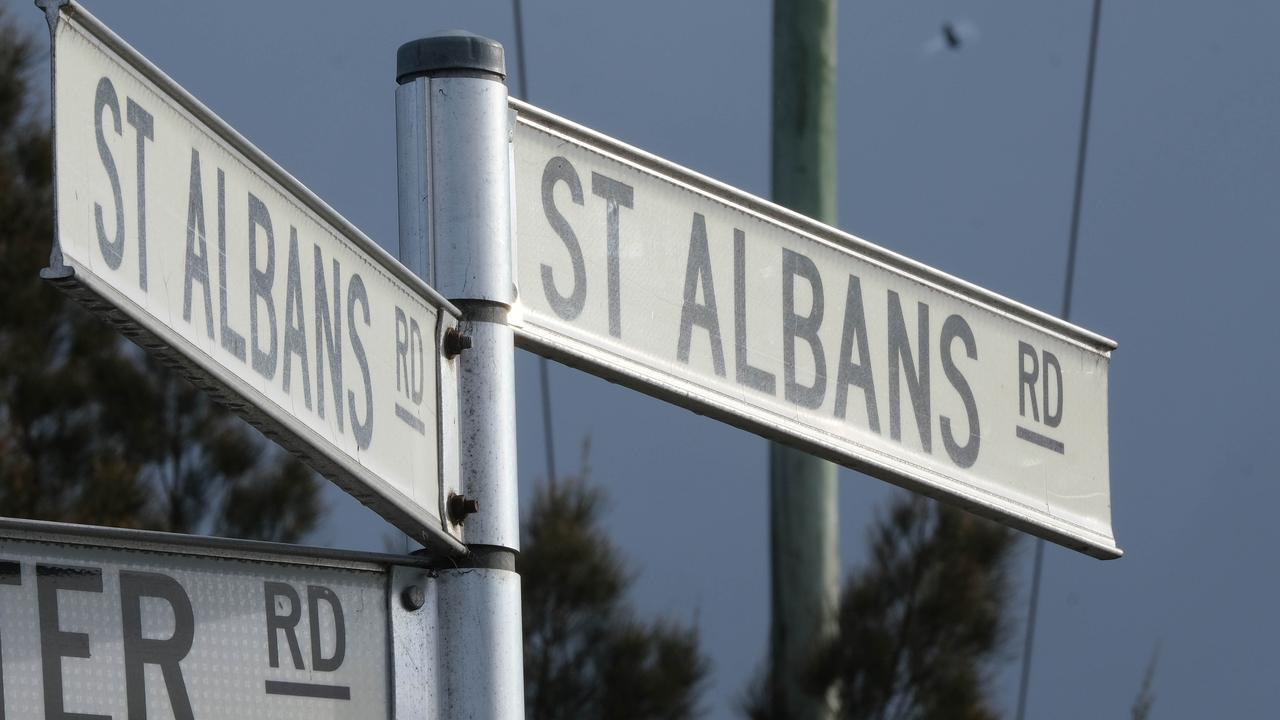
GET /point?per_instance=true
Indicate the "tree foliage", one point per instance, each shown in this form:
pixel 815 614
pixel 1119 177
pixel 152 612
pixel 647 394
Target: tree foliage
pixel 92 430
pixel 585 653
pixel 919 624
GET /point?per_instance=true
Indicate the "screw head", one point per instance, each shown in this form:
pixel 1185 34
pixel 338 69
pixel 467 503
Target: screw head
pixel 455 342
pixel 460 506
pixel 413 598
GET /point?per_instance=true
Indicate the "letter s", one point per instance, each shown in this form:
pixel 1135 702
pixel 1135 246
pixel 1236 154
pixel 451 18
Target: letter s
pixel 363 430
pixel 962 455
pixel 568 307
pixel 106 98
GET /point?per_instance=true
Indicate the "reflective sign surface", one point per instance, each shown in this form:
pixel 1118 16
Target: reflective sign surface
pixel 97 632
pixel 206 252
pixel 663 280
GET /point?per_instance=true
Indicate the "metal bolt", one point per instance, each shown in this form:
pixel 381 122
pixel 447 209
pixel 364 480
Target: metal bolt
pixel 413 598
pixel 460 506
pixel 455 342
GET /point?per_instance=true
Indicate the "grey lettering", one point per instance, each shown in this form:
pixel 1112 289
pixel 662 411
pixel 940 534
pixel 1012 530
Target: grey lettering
pixel 144 128
pixel 197 264
pixel 141 651
pixel 328 332
pixel 105 98
pixel 748 375
pixel 568 306
pixel 1054 417
pixel 319 663
pixel 56 643
pixel 916 370
pixel 1027 379
pixel 402 350
pixel 698 272
pixel 362 430
pixel 295 331
pixel 860 373
pixel 804 327
pixel 615 194
pixel 967 454
pixel 260 282
pixel 276 595
pixel 419 359
pixel 232 341
pixel 307 690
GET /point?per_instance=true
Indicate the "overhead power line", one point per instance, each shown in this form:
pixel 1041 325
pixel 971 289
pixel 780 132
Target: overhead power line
pixel 1068 285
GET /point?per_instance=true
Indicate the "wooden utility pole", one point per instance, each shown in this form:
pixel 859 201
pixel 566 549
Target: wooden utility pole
pixel 804 561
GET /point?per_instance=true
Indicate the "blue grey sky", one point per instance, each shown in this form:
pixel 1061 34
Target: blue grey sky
pixel 963 160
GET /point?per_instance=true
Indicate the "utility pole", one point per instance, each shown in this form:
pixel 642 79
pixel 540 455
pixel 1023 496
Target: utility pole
pixel 804 561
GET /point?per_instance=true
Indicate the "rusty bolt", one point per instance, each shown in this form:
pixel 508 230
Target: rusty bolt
pixel 460 506
pixel 413 598
pixel 455 342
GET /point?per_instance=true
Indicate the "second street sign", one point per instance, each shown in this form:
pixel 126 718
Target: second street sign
pixel 101 623
pixel 663 280
pixel 201 248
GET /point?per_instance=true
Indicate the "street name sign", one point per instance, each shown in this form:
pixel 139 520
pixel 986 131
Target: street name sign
pixel 203 250
pixel 100 623
pixel 663 280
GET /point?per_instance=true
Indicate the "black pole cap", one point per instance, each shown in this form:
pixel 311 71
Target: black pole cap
pixel 455 52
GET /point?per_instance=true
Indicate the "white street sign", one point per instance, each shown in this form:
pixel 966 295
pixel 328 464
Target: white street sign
pixel 663 280
pixel 98 623
pixel 205 251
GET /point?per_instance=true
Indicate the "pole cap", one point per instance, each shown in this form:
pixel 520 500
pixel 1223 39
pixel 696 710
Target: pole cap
pixel 454 52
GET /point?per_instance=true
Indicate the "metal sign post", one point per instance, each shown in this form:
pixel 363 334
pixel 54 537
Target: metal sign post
pixel 204 251
pixel 452 133
pixel 195 244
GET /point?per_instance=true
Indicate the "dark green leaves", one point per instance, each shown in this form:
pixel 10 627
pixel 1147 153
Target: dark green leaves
pixel 585 654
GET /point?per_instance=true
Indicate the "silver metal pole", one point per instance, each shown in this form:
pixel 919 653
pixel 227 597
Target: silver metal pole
pixel 452 135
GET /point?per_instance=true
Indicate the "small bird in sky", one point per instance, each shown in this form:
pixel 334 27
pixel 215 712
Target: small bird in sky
pixel 954 36
pixel 950 35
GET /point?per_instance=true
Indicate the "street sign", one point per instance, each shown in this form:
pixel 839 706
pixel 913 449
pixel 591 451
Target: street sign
pixel 102 623
pixel 658 278
pixel 202 249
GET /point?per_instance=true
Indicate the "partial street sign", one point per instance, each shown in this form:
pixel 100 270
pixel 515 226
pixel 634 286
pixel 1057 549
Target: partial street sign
pixel 206 252
pixel 104 623
pixel 658 278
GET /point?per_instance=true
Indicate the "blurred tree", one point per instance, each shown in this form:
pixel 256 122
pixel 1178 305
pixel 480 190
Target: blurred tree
pixel 585 654
pixel 918 625
pixel 92 430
